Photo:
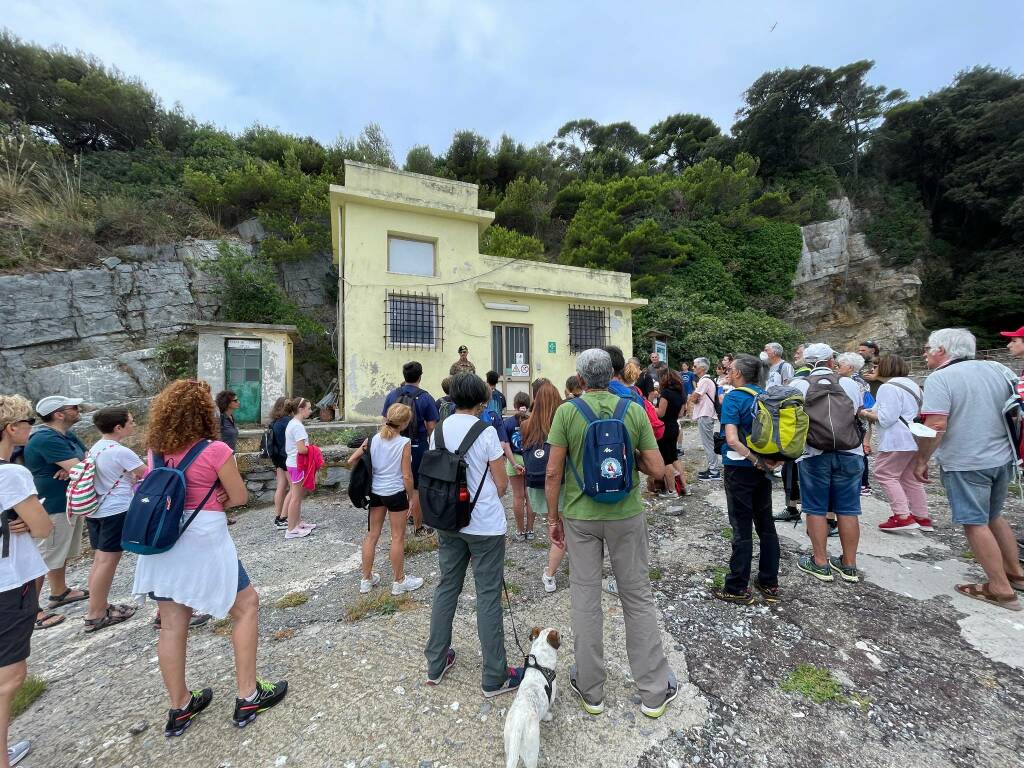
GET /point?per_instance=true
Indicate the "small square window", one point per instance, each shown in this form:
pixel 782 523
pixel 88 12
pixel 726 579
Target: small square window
pixel 588 328
pixel 413 321
pixel 410 257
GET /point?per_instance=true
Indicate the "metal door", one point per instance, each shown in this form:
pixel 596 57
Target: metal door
pixel 244 376
pixel 511 357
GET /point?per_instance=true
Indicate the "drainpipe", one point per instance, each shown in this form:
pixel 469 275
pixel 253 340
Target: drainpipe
pixel 341 314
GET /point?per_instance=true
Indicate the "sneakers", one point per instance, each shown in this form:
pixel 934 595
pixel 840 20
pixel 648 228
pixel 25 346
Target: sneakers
pixel 365 585
pixel 548 581
pixel 310 526
pixel 590 709
pixel 865 491
pixel 530 535
pixel 17 751
pixel 833 528
pixel 511 684
pixel 668 495
pixel 267 695
pixel 924 524
pixel 768 594
pixel 280 522
pixel 846 572
pixel 611 587
pixel 708 475
pixel 178 720
pixel 449 662
pixel 409 584
pixel 896 523
pixel 298 533
pixel 790 515
pixel 821 572
pixel 658 711
pixel 744 598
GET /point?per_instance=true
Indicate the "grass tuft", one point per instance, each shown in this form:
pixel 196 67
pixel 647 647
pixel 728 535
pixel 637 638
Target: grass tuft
pixel 718 577
pixel 27 694
pixel 654 574
pixel 539 545
pixel 815 683
pixel 416 546
pixel 727 534
pixel 378 603
pixel 967 554
pixel 861 701
pixel 293 600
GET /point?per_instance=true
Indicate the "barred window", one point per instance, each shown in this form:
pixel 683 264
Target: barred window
pixel 413 321
pixel 588 327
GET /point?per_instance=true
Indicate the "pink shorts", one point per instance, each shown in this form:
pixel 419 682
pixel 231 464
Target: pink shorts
pixel 296 475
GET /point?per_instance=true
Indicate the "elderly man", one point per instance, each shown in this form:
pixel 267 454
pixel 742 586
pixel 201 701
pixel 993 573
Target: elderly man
pixel 587 528
pixel 462 365
pixel 704 402
pixel 779 371
pixel 963 403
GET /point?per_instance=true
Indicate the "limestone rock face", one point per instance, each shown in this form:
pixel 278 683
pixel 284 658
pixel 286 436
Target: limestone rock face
pixel 842 292
pixel 92 333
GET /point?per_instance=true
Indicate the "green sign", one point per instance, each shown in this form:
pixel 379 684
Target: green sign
pixel 551 347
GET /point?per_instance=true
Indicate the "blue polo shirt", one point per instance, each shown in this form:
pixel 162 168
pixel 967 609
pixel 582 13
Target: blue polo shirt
pixel 736 409
pixel 689 378
pixel 426 409
pixel 45 448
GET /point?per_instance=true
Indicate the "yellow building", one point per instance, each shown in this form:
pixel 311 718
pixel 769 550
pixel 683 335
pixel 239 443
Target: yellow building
pixel 414 286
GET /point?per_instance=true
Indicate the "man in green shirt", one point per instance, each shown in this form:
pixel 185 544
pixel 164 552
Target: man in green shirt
pixel 587 528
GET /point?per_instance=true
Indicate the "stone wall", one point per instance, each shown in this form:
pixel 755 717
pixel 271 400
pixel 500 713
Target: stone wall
pixel 261 479
pixel 93 332
pixel 843 293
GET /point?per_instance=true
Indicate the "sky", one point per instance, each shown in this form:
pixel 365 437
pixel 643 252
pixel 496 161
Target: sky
pixel 425 69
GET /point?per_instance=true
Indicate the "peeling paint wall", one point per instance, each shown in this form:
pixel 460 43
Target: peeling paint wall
pixel 276 362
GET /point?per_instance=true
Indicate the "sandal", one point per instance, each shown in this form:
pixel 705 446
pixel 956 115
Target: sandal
pixel 63 599
pixel 42 623
pixel 114 614
pixel 981 592
pixel 197 620
pixel 1017 582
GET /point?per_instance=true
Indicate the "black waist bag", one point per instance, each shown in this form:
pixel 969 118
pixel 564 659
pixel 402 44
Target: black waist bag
pixel 444 497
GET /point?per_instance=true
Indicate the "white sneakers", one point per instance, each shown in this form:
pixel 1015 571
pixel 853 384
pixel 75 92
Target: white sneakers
pixel 298 532
pixel 549 581
pixel 409 584
pixel 365 585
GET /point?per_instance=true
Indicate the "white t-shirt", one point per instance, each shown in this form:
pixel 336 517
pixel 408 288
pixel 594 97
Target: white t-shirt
pixel 114 481
pixel 294 432
pixel 386 457
pixel 852 390
pixel 24 562
pixel 891 404
pixel 488 517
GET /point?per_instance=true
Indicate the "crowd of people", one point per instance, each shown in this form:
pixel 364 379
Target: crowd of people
pixel 574 460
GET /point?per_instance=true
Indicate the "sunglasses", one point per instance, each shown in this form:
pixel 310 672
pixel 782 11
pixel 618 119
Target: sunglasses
pixel 30 422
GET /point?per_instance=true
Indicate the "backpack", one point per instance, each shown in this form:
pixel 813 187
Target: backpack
pixel 779 426
pixel 445 407
pixel 360 481
pixel 607 455
pixel 153 522
pixel 652 415
pixel 269 447
pixel 833 424
pixel 714 400
pixel 406 397
pixel 444 496
pixel 535 461
pixel 82 498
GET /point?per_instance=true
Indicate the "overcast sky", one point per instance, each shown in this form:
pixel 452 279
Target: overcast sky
pixel 426 68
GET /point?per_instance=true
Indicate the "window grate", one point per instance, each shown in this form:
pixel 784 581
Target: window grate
pixel 588 328
pixel 413 321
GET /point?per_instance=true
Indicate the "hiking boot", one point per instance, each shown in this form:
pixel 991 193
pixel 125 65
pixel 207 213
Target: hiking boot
pixel 409 584
pixel 267 695
pixel 744 598
pixel 846 572
pixel 789 515
pixel 365 585
pixel 924 524
pixel 658 711
pixel 821 572
pixel 896 523
pixel 178 720
pixel 768 594
pixel 449 662
pixel 590 709
pixel 511 684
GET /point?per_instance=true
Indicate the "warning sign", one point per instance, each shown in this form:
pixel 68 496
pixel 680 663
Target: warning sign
pixel 520 369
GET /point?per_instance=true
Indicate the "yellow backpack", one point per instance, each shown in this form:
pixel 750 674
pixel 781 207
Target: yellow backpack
pixel 780 425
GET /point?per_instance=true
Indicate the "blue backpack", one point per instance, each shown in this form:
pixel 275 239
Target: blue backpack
pixel 607 455
pixel 153 522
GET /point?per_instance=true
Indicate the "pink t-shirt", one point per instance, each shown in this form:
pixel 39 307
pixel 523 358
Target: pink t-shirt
pixel 201 474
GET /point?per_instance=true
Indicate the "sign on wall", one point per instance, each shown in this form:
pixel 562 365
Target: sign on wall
pixel 551 347
pixel 661 348
pixel 519 369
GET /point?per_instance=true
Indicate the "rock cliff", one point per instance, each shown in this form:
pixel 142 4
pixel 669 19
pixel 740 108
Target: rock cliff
pixel 843 293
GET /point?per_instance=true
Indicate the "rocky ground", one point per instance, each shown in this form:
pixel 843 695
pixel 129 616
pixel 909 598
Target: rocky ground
pixel 918 676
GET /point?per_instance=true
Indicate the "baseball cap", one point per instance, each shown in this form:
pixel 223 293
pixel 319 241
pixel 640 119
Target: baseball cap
pixel 463 348
pixel 48 405
pixel 1019 333
pixel 818 352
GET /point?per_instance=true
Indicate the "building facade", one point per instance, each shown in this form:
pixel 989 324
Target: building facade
pixel 413 285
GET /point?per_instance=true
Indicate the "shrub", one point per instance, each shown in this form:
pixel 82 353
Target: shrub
pixel 177 359
pixel 498 241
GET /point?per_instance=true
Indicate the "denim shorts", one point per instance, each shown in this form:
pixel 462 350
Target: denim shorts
pixel 976 496
pixel 830 482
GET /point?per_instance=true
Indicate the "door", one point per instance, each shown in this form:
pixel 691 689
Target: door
pixel 244 376
pixel 511 356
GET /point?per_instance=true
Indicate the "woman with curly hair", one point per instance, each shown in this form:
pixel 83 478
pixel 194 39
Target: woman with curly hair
pixel 201 572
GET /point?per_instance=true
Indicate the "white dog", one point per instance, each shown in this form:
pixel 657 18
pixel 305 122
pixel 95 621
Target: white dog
pixel 533 700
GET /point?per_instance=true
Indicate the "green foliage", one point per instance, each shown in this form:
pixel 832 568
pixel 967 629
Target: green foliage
pixel 524 207
pixel 26 695
pixel 677 141
pixel 898 224
pixel 177 359
pixel 498 241
pixel 815 683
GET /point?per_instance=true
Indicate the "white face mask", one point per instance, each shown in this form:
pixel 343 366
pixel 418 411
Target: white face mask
pixel 764 356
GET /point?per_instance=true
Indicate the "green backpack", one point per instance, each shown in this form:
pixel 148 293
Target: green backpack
pixel 779 427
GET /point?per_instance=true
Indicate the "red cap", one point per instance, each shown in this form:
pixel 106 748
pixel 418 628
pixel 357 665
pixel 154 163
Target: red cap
pixel 1019 333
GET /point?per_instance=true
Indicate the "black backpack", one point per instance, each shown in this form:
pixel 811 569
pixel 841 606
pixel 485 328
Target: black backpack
pixel 406 397
pixel 444 497
pixel 535 460
pixel 360 481
pixel 714 400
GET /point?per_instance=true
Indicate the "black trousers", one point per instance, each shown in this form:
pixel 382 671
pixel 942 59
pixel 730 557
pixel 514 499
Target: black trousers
pixel 791 482
pixel 748 494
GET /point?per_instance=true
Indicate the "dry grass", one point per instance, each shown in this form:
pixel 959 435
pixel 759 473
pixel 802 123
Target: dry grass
pixel 283 634
pixel 416 546
pixel 378 603
pixel 223 627
pixel 293 600
pixel 27 694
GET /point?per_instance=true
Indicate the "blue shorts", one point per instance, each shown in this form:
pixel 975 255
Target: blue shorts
pixel 243 582
pixel 830 482
pixel 976 496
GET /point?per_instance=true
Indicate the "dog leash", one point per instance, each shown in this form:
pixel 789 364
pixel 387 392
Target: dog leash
pixel 512 620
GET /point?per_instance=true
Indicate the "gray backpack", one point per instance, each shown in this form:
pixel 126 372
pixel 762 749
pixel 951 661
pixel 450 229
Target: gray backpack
pixel 833 424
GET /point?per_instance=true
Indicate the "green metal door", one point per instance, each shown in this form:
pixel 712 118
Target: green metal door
pixel 244 376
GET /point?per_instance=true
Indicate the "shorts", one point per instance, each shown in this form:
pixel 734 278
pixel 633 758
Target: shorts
pixel 510 467
pixel 105 532
pixel 418 449
pixel 976 496
pixel 279 464
pixel 396 502
pixel 64 541
pixel 830 482
pixel 296 475
pixel 18 609
pixel 243 582
pixel 539 502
